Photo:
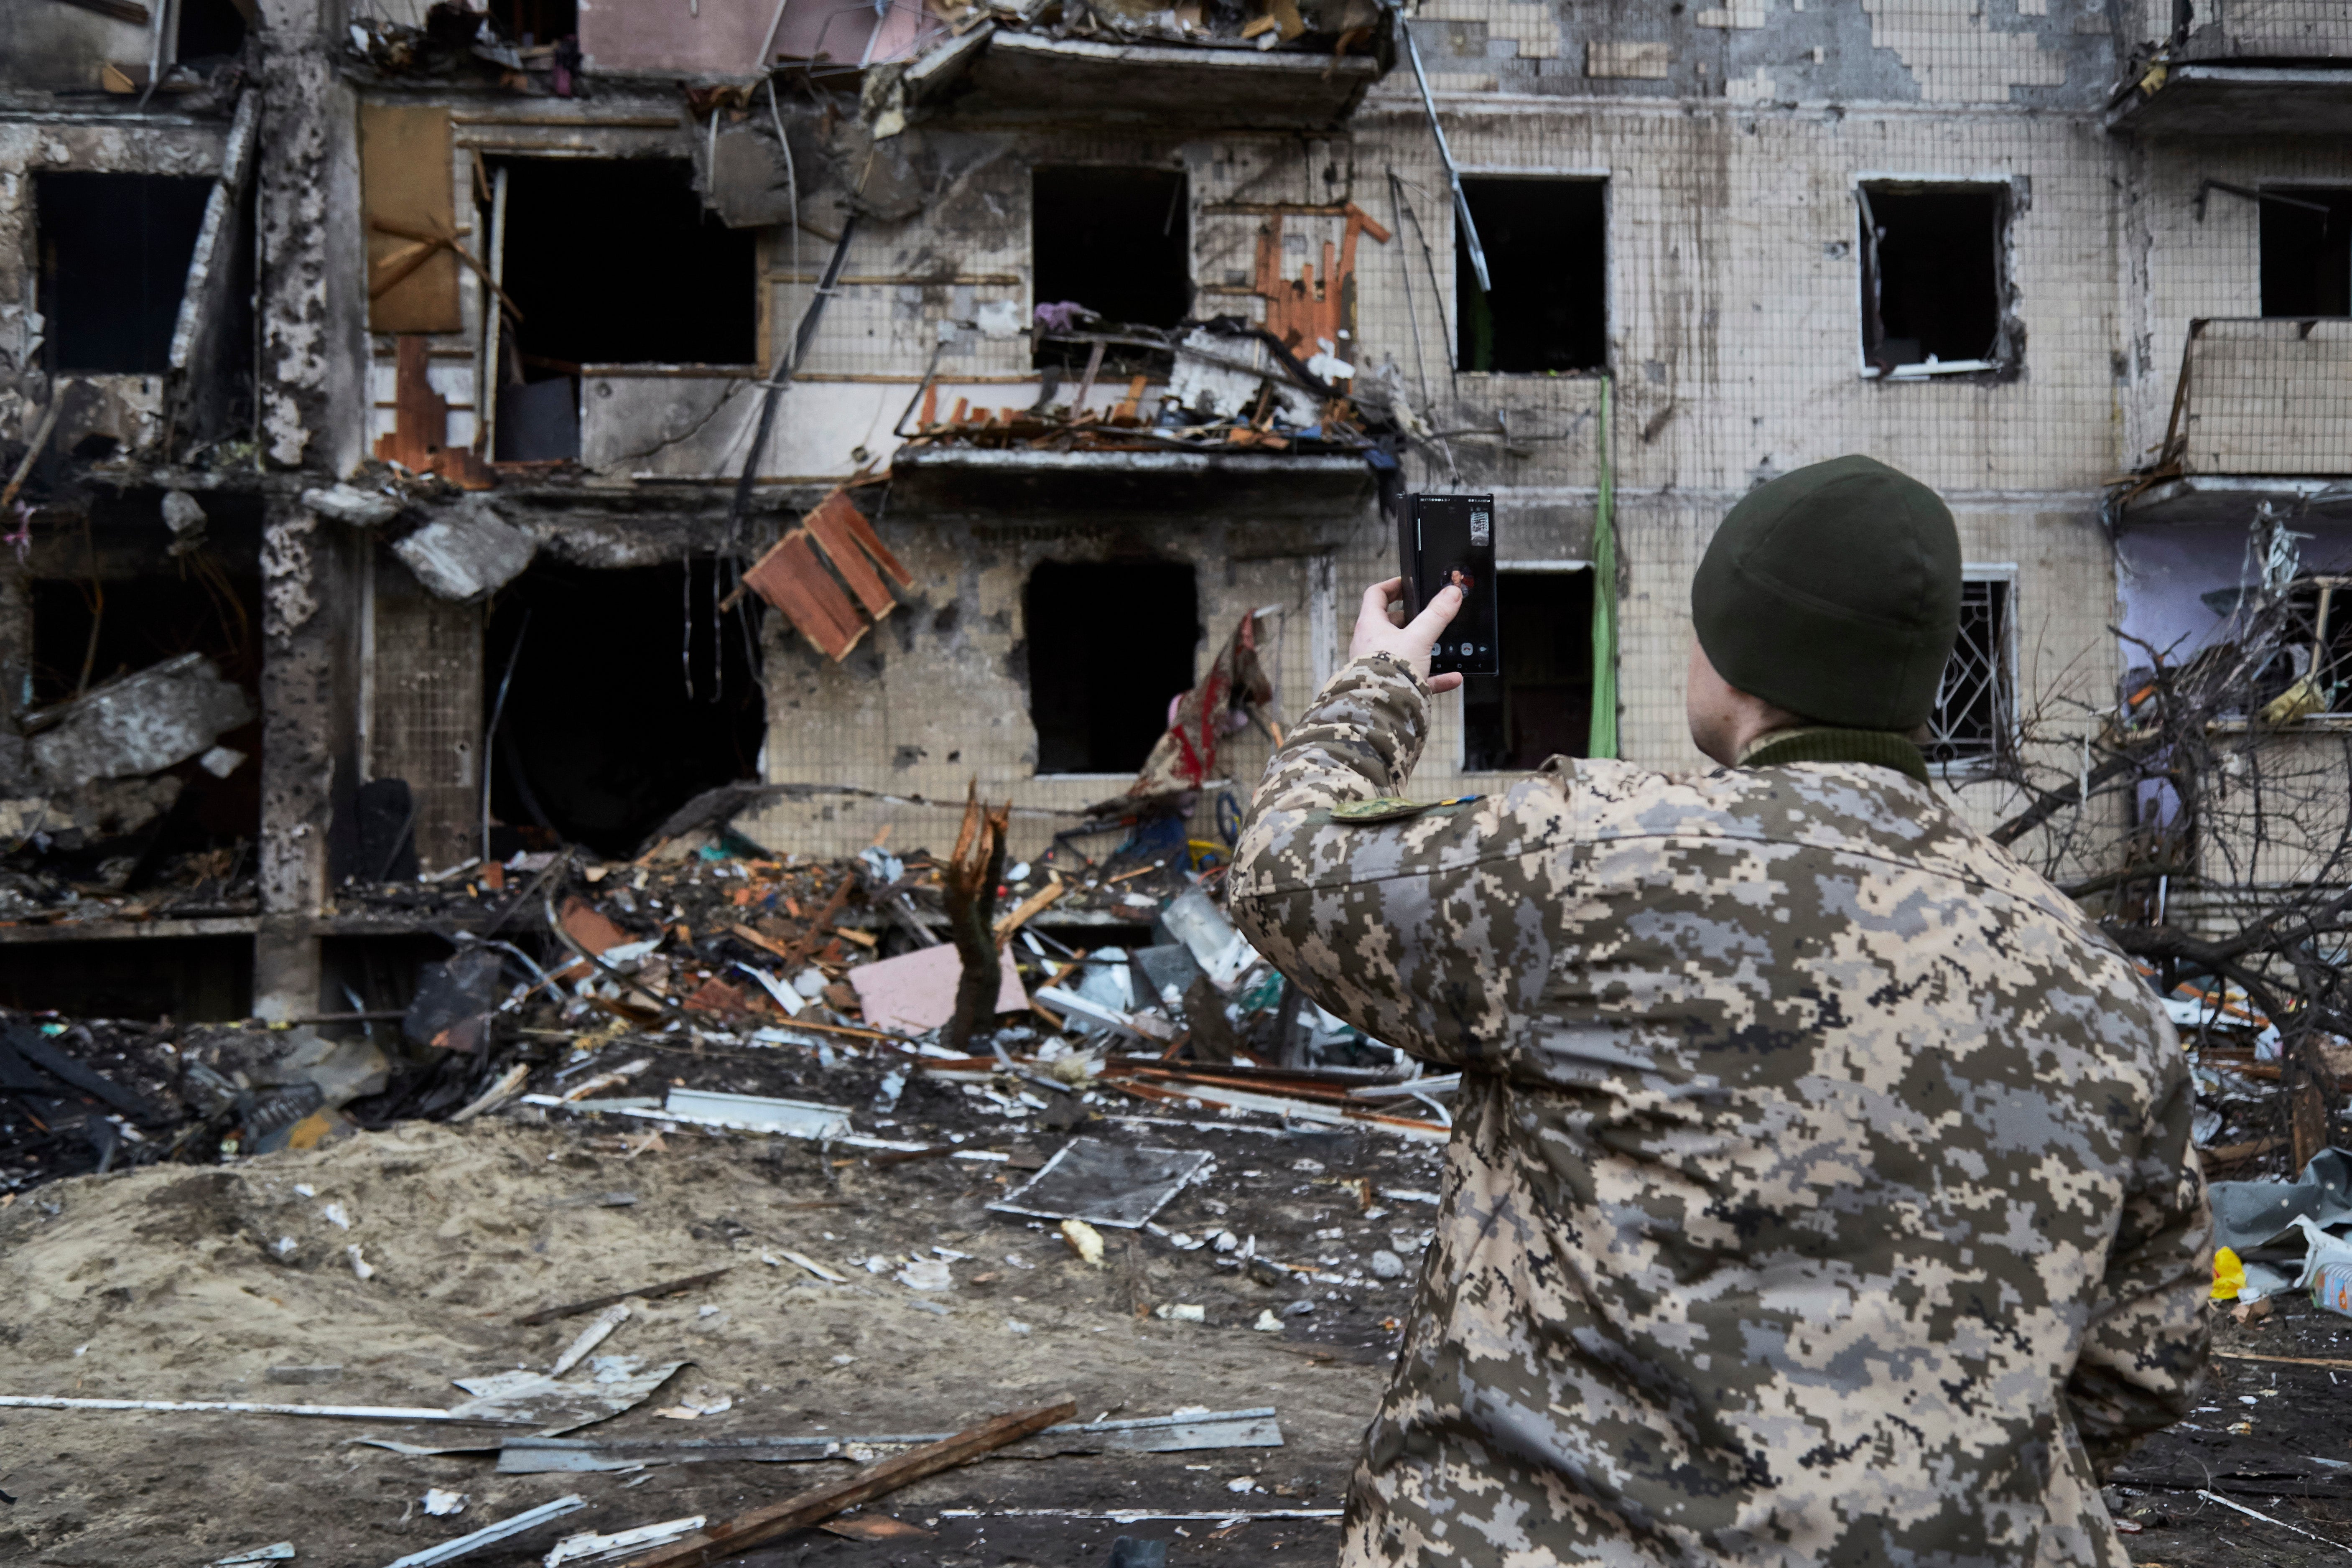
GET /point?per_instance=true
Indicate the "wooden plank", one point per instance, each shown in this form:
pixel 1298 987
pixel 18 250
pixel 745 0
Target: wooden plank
pixel 405 165
pixel 598 1303
pixel 420 421
pixel 779 1519
pixel 853 520
pixel 840 546
pixel 794 580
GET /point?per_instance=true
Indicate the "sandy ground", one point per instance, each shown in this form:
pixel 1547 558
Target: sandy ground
pixel 178 1283
pixel 181 1282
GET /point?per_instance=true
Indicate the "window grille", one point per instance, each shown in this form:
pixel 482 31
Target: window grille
pixel 1976 702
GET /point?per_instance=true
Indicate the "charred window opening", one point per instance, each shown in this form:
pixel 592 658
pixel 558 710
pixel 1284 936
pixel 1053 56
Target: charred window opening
pixel 669 284
pixel 114 251
pixel 1546 243
pixel 2306 253
pixel 599 737
pixel 1117 242
pixel 105 603
pixel 209 30
pixel 1109 645
pixel 188 979
pixel 1935 285
pixel 1976 699
pixel 1541 704
pixel 535 22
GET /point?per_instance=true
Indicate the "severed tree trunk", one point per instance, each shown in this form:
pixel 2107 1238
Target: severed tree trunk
pixel 970 880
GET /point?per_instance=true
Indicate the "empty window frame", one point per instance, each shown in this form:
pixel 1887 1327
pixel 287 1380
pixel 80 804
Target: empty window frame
pixel 1540 705
pixel 615 262
pixel 1095 712
pixel 1117 241
pixel 1546 308
pixel 1934 279
pixel 2307 245
pixel 114 252
pixel 611 262
pixel 1975 717
pixel 210 31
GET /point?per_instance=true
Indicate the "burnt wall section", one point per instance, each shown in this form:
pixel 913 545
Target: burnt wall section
pixel 313 341
pixel 313 574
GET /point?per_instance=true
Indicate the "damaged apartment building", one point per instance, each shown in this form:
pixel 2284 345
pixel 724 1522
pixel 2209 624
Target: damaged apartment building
pixel 433 433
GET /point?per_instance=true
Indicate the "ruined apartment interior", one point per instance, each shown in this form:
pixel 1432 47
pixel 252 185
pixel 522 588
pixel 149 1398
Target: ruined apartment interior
pixel 436 435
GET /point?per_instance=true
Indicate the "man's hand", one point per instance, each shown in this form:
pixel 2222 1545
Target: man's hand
pixel 1381 628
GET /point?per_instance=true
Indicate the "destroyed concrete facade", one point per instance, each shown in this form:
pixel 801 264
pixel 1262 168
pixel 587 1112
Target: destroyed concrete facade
pixel 464 365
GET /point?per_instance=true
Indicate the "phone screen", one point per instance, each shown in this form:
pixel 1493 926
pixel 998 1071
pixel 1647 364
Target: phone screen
pixel 1449 541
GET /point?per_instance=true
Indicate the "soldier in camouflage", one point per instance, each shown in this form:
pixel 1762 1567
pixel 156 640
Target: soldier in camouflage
pixel 1820 1188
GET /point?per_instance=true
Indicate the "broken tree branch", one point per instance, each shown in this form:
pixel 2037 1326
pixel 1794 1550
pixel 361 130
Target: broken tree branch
pixel 765 1524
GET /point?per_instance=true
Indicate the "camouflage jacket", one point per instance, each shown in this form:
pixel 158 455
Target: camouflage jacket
pixel 1820 1188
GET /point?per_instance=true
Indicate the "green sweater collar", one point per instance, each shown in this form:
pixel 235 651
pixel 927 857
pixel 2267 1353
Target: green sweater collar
pixel 1877 748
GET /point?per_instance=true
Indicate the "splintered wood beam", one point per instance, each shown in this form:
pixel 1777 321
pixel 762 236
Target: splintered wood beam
pixel 762 1525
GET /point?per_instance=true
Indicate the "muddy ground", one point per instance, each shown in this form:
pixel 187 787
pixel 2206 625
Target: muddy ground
pixel 193 1284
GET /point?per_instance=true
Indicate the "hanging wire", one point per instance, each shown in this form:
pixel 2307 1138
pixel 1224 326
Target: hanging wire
pixel 686 623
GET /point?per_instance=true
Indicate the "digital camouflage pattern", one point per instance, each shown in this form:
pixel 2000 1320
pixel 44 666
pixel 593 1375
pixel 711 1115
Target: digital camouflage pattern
pixel 1821 1189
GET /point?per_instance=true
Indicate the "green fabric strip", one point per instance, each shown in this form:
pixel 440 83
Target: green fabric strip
pixel 1603 741
pixel 1878 747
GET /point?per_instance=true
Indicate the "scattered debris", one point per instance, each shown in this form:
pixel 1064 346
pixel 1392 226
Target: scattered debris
pixel 590 1547
pixel 443 1504
pixel 592 1336
pixel 614 1383
pixel 492 1534
pixel 1099 1182
pixel 1085 1241
pixel 764 1524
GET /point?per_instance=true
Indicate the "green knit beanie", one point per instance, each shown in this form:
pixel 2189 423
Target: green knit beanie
pixel 1834 591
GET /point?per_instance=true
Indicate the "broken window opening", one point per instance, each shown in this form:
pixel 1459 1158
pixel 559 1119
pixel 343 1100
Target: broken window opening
pixel 126 615
pixel 1546 259
pixel 671 285
pixel 535 22
pixel 1096 714
pixel 1540 705
pixel 208 30
pixel 2315 656
pixel 1934 279
pixel 188 979
pixel 2306 255
pixel 1117 241
pixel 114 251
pixel 1976 701
pixel 598 740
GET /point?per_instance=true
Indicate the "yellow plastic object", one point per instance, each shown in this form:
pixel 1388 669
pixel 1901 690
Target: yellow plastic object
pixel 2229 1275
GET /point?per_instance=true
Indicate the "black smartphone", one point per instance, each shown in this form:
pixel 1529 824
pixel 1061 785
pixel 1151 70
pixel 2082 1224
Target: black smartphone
pixel 1450 539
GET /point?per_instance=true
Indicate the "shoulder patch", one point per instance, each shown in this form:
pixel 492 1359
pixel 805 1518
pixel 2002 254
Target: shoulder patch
pixel 1380 809
pixel 1393 809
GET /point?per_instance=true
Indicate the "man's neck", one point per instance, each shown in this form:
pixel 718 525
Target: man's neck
pixel 1829 743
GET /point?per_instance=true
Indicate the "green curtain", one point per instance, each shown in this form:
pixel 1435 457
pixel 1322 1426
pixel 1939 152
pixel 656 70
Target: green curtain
pixel 1604 598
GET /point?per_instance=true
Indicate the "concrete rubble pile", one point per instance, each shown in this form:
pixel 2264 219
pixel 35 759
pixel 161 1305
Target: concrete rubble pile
pixel 564 966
